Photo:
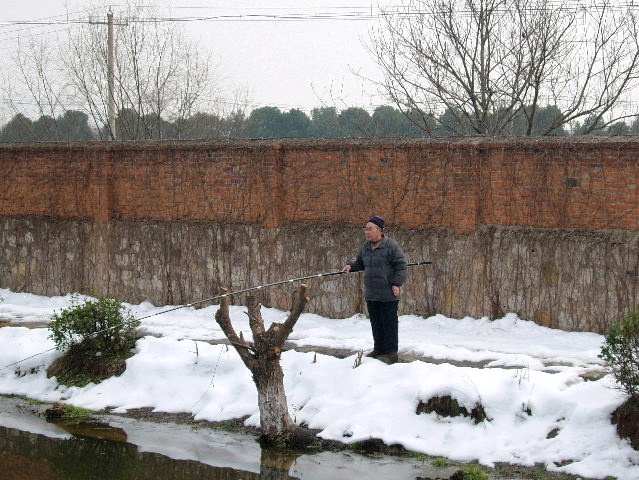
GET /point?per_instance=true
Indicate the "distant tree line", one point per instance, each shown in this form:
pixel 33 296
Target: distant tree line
pixel 449 68
pixel 271 122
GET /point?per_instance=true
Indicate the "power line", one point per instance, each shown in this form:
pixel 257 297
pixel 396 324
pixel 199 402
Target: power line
pixel 48 32
pixel 29 28
pixel 38 22
pixel 356 14
pixel 363 14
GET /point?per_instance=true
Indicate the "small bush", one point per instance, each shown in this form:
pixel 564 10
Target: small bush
pixel 626 418
pixel 96 326
pixel 620 351
pixel 97 335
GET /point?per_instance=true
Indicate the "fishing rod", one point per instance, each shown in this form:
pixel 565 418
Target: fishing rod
pixel 217 297
pixel 268 285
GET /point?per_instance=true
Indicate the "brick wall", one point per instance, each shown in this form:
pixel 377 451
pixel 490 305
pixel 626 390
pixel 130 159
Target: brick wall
pixel 547 228
pixel 580 183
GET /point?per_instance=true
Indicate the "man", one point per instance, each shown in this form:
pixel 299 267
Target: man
pixel 384 267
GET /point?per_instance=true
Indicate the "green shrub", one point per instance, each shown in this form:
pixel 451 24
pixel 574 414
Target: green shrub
pixel 61 411
pixel 101 325
pixel 439 462
pixel 620 351
pixel 472 472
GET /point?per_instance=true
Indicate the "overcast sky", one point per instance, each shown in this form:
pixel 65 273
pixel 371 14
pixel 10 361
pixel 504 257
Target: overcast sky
pixel 284 63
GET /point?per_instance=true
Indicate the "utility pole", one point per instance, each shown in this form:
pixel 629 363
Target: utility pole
pixel 110 80
pixel 110 69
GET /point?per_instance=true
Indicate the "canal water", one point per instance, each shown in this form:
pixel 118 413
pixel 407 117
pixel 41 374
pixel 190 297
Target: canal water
pixel 119 448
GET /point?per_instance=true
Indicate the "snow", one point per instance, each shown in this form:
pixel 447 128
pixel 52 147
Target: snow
pixel 532 382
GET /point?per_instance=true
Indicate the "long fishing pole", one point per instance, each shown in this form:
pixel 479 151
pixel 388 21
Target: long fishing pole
pixel 268 285
pixel 217 297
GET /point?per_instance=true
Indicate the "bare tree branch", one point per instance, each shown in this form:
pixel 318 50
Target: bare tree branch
pixel 494 66
pixel 224 321
pixel 301 299
pixel 161 75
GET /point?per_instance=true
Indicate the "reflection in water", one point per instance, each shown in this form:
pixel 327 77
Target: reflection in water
pixel 81 458
pixel 30 456
pixel 275 464
pixel 123 448
pixel 99 430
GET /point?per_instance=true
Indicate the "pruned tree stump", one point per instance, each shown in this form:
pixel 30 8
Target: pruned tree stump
pixel 262 358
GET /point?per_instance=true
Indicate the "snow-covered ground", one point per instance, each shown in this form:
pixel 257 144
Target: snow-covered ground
pixel 533 382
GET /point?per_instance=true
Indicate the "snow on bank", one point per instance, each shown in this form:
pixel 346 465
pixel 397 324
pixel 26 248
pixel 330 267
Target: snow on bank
pixel 509 341
pixel 372 401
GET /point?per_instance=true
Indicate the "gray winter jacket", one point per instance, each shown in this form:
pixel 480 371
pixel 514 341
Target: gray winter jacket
pixel 383 267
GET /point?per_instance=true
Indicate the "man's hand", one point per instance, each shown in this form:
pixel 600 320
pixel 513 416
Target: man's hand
pixel 346 269
pixel 396 290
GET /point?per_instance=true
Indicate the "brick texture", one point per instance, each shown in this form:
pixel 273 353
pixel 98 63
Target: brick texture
pixel 584 183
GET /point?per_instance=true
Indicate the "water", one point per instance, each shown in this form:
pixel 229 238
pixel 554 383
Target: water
pixel 33 456
pixel 119 448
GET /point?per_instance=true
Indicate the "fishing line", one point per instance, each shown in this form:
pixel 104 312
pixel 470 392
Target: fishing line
pixel 216 297
pixel 212 382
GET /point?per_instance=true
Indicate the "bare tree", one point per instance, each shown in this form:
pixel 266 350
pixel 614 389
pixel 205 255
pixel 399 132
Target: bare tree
pixel 33 61
pixel 160 74
pixel 488 63
pixel 262 358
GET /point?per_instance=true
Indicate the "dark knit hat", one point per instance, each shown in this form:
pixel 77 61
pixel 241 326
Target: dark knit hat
pixel 379 221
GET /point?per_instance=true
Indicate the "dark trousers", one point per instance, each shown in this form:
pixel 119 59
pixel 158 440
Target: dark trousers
pixel 384 324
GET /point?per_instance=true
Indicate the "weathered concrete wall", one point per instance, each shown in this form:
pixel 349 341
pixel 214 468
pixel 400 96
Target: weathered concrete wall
pixel 544 227
pixel 575 280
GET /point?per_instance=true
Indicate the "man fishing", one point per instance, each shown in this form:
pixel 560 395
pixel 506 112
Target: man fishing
pixel 384 265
